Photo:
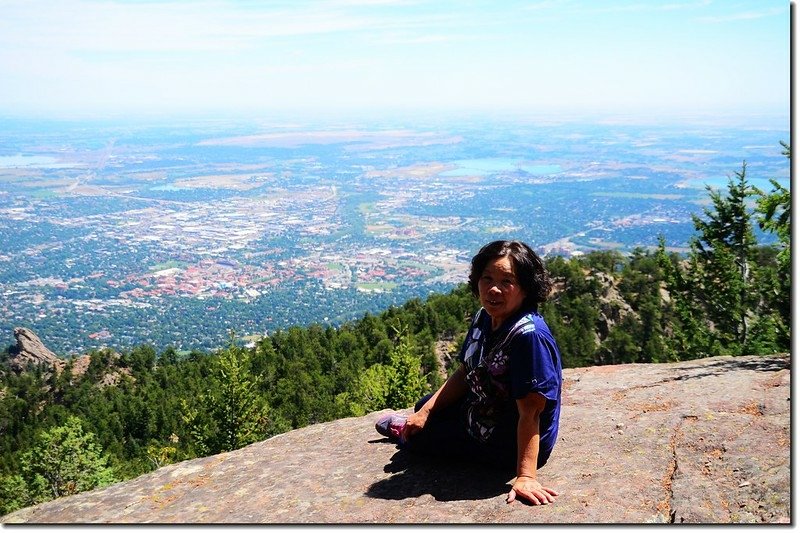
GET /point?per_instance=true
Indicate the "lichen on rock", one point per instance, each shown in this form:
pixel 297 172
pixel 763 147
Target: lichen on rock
pixel 703 441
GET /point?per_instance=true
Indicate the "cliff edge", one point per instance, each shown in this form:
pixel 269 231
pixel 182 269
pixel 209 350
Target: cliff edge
pixel 704 441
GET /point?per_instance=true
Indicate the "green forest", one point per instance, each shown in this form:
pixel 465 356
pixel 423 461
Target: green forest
pixel 69 431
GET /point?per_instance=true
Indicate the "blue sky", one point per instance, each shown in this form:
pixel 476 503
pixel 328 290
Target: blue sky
pixel 94 57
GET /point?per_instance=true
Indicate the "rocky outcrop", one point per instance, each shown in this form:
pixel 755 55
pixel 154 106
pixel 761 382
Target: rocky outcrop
pixel 613 307
pixel 113 378
pixel 446 351
pixel 705 441
pixel 30 352
pixel 80 365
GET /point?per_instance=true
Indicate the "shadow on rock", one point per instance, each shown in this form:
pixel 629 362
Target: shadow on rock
pixel 702 370
pixel 416 475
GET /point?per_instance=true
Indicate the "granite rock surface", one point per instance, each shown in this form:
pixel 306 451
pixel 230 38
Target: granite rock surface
pixel 30 351
pixel 704 441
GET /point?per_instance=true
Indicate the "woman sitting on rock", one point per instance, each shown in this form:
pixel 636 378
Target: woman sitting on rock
pixel 501 407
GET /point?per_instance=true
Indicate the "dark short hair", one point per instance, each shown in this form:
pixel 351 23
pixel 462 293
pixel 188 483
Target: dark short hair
pixel 528 268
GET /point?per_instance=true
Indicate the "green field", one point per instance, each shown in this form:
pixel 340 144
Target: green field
pixel 639 196
pixel 377 285
pixel 366 208
pixel 166 265
pixel 43 194
pixel 415 264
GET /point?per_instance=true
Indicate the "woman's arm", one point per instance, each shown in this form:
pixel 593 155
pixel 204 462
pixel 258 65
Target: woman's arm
pixel 454 388
pixel 526 485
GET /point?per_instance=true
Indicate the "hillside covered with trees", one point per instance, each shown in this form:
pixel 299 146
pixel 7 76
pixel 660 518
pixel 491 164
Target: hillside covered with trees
pixel 66 431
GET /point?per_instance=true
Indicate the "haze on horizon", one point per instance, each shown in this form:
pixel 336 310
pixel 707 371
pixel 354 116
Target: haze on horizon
pixel 90 58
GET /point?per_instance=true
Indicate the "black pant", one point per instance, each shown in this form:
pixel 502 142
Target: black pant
pixel 445 436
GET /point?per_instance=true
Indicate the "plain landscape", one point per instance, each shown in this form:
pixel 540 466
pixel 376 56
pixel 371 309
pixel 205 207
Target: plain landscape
pixel 175 234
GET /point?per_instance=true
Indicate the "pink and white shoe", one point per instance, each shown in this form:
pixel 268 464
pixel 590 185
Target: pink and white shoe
pixel 391 426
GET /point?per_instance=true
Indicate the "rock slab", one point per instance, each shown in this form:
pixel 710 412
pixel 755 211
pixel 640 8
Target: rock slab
pixel 704 441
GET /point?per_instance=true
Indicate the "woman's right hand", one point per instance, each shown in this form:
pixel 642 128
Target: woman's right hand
pixel 414 423
pixel 450 392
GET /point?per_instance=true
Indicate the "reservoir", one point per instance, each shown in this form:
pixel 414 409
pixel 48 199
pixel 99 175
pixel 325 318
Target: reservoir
pixel 494 165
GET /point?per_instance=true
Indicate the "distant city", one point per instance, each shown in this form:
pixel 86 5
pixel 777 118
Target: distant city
pixel 175 235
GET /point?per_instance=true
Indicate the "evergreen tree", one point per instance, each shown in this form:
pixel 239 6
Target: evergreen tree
pixel 240 411
pixel 13 494
pixel 369 393
pixel 722 259
pixel 686 325
pixel 396 385
pixel 572 312
pixel 64 460
pixel 407 384
pixel 231 413
pixel 641 285
pixel 773 211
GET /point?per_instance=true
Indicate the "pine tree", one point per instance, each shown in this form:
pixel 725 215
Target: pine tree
pixel 572 312
pixel 14 494
pixel 240 412
pixel 722 258
pixel 396 385
pixel 369 393
pixel 64 460
pixel 641 285
pixel 773 212
pixel 407 384
pixel 231 413
pixel 686 327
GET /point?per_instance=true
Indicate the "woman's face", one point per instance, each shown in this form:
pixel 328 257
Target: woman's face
pixel 499 290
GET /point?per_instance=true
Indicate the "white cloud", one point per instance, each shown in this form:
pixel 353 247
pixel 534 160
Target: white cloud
pixel 88 25
pixel 572 7
pixel 378 52
pixel 745 15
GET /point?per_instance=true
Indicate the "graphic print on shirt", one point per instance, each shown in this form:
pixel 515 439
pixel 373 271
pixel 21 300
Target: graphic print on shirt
pixel 487 378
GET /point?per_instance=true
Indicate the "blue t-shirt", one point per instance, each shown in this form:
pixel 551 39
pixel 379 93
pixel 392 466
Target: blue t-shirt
pixel 505 365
